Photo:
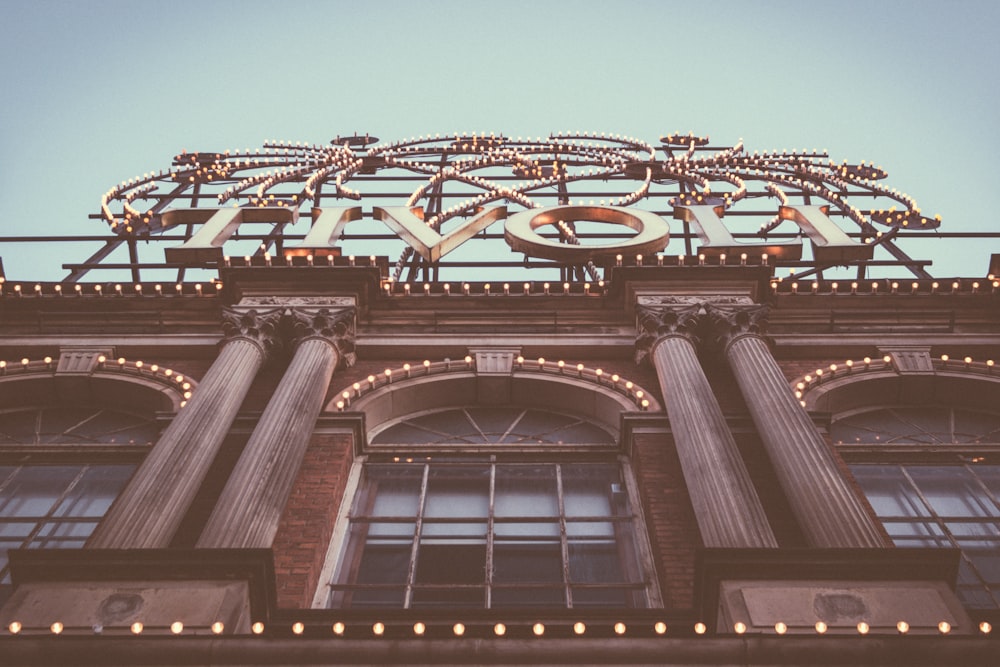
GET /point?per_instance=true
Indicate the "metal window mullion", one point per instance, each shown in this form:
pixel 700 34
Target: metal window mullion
pixel 489 536
pixel 411 572
pixel 48 516
pixel 941 523
pixel 563 540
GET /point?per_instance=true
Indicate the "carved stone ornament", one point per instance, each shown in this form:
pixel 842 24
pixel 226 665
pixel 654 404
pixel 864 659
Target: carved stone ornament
pixel 692 299
pixel 655 322
pixel 257 326
pixel 333 325
pixel 295 301
pixel 731 322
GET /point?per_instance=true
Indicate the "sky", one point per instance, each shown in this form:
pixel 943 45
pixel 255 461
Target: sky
pixel 100 91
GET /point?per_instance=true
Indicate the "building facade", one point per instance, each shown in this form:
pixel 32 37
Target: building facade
pixel 652 453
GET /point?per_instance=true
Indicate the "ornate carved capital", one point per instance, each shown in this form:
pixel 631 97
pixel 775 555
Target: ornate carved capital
pixel 656 322
pixel 257 326
pixel 728 323
pixel 335 326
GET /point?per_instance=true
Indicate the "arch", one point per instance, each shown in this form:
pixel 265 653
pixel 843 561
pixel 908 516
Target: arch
pixel 572 390
pixel 130 386
pixel 973 386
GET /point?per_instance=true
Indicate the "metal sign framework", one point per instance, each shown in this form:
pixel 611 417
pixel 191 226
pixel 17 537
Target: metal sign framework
pixel 453 178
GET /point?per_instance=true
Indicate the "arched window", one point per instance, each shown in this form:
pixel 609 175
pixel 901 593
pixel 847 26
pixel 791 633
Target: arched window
pixel 932 474
pixel 488 507
pixel 61 466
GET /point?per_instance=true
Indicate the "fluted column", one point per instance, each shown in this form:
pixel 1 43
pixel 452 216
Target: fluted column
pixel 247 513
pixel 725 502
pixel 828 509
pixel 151 506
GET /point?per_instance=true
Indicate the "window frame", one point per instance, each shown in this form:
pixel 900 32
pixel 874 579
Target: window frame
pixel 907 457
pixel 645 583
pixel 84 454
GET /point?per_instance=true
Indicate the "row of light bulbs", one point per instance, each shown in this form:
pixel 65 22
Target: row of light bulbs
pixel 499 629
pixel 885 286
pixel 117 290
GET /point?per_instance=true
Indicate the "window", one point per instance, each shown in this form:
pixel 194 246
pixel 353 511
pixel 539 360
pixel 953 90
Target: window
pixel 60 469
pixel 934 481
pixel 478 526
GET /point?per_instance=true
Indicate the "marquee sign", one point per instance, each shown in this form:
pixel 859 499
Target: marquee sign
pixel 571 202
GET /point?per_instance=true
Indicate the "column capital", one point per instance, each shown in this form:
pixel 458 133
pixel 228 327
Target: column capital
pixel 260 327
pixel 332 325
pixel 656 322
pixel 729 323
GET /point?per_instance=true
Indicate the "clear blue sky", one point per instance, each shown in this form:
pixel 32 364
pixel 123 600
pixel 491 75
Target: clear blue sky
pixel 99 91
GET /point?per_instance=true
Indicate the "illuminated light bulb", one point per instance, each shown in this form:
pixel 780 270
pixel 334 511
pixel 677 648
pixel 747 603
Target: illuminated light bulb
pixel 136 628
pixel 944 358
pixel 458 629
pixel 620 628
pixel 499 629
pixel 298 627
pixel 14 627
pixel 740 627
pixel 419 628
pixel 579 628
pixel 780 628
pixel 821 627
pixel 338 628
pixel 538 629
pixel 218 627
pixel 903 627
pixel 944 627
pixel 56 628
pixel 863 628
pixel 660 627
pixel 985 628
pixel 700 628
pixel 887 359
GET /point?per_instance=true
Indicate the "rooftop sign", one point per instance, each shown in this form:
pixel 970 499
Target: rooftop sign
pixel 571 202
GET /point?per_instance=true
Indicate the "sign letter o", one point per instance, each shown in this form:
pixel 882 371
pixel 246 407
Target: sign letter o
pixel 652 232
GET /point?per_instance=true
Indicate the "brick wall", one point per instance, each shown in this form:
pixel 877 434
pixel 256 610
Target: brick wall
pixel 670 521
pixel 303 537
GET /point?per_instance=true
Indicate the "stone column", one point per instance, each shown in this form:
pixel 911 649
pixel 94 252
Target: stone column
pixel 247 513
pixel 153 503
pixel 725 502
pixel 828 509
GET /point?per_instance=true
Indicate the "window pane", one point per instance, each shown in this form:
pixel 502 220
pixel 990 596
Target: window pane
pixel 452 573
pixel 32 491
pixel 952 491
pixel 458 492
pixel 889 491
pixel 389 490
pixel 536 561
pixel 526 490
pixel 93 494
pixel 592 490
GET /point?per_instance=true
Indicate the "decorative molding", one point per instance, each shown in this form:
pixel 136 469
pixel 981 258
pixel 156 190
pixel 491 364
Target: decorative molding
pixel 494 361
pixel 79 360
pixel 295 301
pixel 336 326
pixel 910 360
pixel 692 300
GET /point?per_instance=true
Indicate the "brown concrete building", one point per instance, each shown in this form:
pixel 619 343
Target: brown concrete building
pixel 651 454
